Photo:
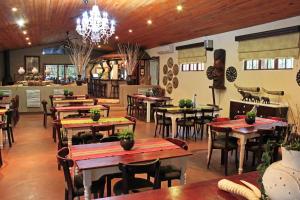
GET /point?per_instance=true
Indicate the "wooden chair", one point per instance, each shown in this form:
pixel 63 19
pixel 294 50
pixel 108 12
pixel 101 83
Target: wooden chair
pixel 8 127
pixel 240 117
pixel 74 187
pixel 129 105
pixel 114 91
pixel 207 115
pixel 107 110
pixel 46 113
pixel 130 183
pixel 51 100
pixel 162 122
pixel 170 172
pixel 187 123
pixel 1 162
pixel 220 139
pixel 95 136
pixel 133 119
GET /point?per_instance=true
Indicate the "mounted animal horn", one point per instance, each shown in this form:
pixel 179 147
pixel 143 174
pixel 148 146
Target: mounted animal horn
pixel 278 93
pixel 249 89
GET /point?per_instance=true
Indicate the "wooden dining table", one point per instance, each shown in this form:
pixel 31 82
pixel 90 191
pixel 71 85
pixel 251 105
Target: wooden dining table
pixel 204 190
pixel 73 101
pixel 74 125
pixel 96 160
pixel 63 110
pixel 150 100
pixel 244 131
pixel 176 113
pixel 76 96
pixel 2 113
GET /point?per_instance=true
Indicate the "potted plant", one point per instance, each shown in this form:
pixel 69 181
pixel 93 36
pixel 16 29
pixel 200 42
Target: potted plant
pixel 250 117
pixel 66 92
pixel 71 93
pixel 188 103
pixel 95 114
pixel 126 139
pixel 181 103
pixel 1 95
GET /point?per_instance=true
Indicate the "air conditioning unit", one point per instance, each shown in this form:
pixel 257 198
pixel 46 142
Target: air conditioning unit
pixel 166 49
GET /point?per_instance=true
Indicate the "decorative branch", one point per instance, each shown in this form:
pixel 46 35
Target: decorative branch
pixel 130 56
pixel 79 52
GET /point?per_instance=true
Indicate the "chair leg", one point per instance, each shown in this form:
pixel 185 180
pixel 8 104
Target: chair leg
pixel 9 137
pixel 54 134
pixel 225 161
pixel 12 134
pixel 155 130
pixel 202 130
pixel 209 158
pixel 236 159
pixel 253 159
pixel 169 183
pixel 222 157
pixel 108 187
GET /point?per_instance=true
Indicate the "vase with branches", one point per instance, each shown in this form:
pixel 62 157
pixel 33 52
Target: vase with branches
pixel 79 52
pixel 131 55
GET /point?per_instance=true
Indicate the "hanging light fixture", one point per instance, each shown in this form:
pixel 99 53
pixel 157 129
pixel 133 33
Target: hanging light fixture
pixel 95 25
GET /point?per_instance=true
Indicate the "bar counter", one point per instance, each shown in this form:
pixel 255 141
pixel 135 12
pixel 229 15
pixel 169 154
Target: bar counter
pixel 30 104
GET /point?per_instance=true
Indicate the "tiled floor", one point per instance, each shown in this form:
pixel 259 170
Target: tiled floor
pixel 30 168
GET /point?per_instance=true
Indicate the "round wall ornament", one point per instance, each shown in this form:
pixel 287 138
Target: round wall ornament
pixel 209 72
pixel 298 78
pixel 170 62
pixel 231 74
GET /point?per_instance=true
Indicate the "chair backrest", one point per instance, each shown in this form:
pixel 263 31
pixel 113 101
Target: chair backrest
pixel 182 144
pixel 44 103
pixel 225 131
pixel 97 128
pixel 133 119
pixel 240 117
pixel 66 163
pixel 9 116
pixel 221 119
pixel 129 170
pixel 189 114
pixel 277 118
pixel 107 109
pixel 95 101
pixel 265 135
pixel 57 125
pixel 110 139
pixel 51 100
pixel 129 100
pixel 207 114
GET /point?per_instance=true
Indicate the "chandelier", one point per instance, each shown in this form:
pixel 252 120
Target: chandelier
pixel 95 25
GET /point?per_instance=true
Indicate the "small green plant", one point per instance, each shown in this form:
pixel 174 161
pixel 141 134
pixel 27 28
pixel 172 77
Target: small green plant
pixel 1 93
pixel 71 93
pixel 188 103
pixel 293 143
pixel 66 92
pixel 95 111
pixel 182 103
pixel 251 114
pixel 126 135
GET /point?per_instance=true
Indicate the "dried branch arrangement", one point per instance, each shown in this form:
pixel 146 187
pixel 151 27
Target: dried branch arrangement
pixel 131 56
pixel 79 52
pixel 295 116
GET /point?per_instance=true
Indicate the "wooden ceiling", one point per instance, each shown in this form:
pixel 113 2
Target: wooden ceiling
pixel 47 21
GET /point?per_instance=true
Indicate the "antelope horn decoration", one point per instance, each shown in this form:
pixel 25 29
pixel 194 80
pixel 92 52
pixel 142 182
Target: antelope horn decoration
pixel 251 193
pixel 250 89
pixel 278 93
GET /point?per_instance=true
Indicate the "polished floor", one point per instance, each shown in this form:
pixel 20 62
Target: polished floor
pixel 30 169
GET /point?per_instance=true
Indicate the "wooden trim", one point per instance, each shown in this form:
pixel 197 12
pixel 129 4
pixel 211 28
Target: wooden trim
pixel 190 46
pixel 276 32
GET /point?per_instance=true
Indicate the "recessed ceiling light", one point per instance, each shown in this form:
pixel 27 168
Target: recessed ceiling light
pixel 149 21
pixel 21 22
pixel 117 37
pixel 130 30
pixel 99 46
pixel 179 7
pixel 24 32
pixel 29 43
pixel 27 38
pixel 14 9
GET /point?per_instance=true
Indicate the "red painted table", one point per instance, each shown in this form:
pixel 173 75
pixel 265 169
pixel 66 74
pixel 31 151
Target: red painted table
pixel 244 131
pixel 206 190
pixel 96 160
pixel 72 109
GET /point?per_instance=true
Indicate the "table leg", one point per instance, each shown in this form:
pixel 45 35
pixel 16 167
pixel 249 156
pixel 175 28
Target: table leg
pixel 69 136
pixel 1 139
pixel 148 110
pixel 209 145
pixel 183 171
pixel 87 182
pixel 242 154
pixel 174 127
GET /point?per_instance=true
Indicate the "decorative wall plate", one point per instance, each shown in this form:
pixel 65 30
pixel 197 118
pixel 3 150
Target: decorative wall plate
pixel 165 80
pixel 209 72
pixel 175 82
pixel 175 69
pixel 170 75
pixel 231 74
pixel 169 88
pixel 298 78
pixel 165 69
pixel 170 62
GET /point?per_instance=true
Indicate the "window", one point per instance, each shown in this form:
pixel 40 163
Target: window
pixel 192 67
pixel 61 72
pixel 269 64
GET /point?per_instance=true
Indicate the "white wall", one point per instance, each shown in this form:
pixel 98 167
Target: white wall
pixel 17 58
pixel 191 83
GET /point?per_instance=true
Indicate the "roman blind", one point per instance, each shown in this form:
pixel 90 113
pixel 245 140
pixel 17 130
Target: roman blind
pixel 192 55
pixel 270 47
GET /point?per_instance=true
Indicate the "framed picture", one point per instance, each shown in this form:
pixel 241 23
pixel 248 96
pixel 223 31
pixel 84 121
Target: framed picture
pixel 31 62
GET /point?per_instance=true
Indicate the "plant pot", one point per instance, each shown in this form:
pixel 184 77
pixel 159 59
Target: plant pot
pixel 131 80
pixel 127 144
pixel 281 179
pixel 78 81
pixel 189 105
pixel 250 120
pixel 1 97
pixel 95 117
pixel 71 94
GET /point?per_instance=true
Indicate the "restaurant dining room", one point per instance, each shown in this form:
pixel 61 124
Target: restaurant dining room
pixel 150 99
